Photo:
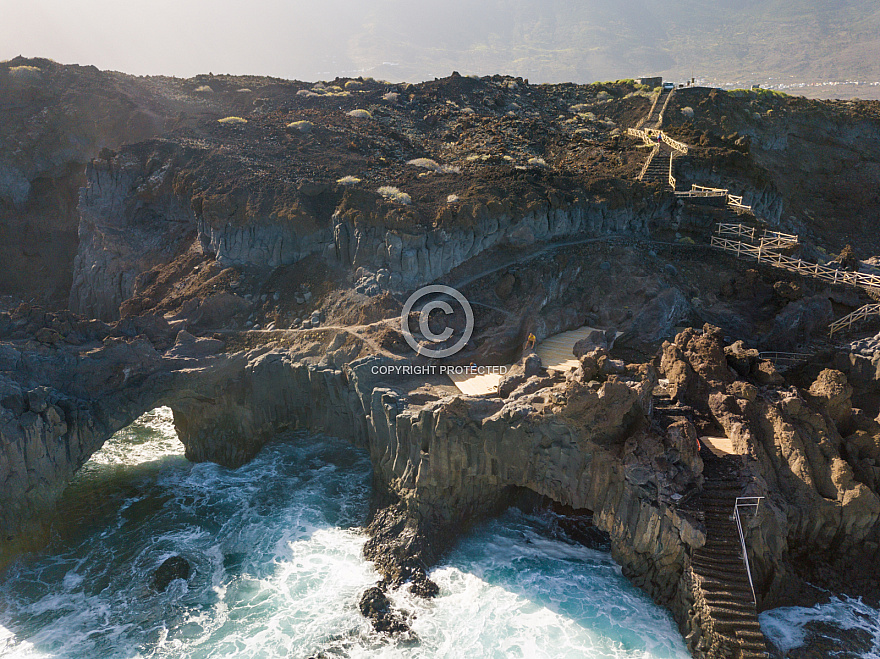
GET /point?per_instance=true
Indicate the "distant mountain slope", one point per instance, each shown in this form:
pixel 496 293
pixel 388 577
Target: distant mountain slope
pixel 413 40
pixel 566 40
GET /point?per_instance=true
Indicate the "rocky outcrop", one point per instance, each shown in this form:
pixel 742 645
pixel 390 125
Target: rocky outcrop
pixel 441 466
pixel 131 219
pixel 414 258
pixel 586 441
pixel 814 503
pixel 54 121
pixel 175 567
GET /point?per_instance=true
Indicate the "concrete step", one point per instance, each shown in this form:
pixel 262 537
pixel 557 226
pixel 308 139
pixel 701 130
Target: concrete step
pixel 727 573
pixel 734 617
pixel 732 604
pixel 738 591
pixel 722 579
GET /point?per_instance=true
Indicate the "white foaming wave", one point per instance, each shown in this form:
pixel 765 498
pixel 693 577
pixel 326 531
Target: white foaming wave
pixel 785 626
pixel 275 576
pixel 509 591
pixel 150 438
pixel 307 601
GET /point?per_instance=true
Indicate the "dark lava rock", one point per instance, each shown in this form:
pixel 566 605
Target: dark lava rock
pixel 532 365
pixel 423 587
pixel 173 568
pixel 376 607
pixel 595 339
pixel 827 640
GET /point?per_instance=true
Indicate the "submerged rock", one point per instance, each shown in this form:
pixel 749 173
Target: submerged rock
pixel 172 568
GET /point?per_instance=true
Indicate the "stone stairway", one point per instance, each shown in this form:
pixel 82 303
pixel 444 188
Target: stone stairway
pixel 665 410
pixel 721 582
pixel 658 168
pixel 653 120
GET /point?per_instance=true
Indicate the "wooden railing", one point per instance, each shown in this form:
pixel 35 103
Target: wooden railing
pixel 672 181
pixel 768 253
pixel 644 119
pixel 858 315
pixel 647 164
pixel 702 194
pixel 681 147
pixel 737 202
pixel 649 135
pixel 644 134
pixel 703 188
pixel 778 235
pixel 736 230
pixel 702 191
pixel 663 109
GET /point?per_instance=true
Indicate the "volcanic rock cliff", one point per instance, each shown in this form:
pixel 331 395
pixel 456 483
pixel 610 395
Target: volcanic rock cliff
pixel 240 249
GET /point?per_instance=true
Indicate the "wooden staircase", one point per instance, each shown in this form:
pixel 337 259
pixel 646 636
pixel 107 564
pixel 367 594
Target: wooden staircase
pixel 722 582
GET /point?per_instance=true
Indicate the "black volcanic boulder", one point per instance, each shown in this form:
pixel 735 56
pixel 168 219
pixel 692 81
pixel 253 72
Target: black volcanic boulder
pixel 172 568
pixel 595 339
pixel 376 606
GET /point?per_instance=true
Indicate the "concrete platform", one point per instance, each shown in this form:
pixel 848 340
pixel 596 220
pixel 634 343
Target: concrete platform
pixel 556 351
pixel 720 446
pixel 476 384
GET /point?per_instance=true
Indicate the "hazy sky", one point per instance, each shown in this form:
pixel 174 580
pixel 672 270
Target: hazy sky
pixel 292 38
pixel 544 40
pixel 173 37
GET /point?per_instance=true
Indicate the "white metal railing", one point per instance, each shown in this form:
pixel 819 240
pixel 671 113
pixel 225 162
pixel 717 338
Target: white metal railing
pixel 741 503
pixel 785 358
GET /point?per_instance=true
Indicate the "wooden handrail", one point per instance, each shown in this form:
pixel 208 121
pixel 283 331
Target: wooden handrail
pixel 698 194
pixel 703 188
pixel 767 252
pixel 730 229
pixel 647 164
pixel 859 314
pixel 644 134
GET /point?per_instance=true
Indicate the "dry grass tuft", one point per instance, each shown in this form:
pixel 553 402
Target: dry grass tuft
pixel 393 194
pixel 434 166
pixel 301 126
